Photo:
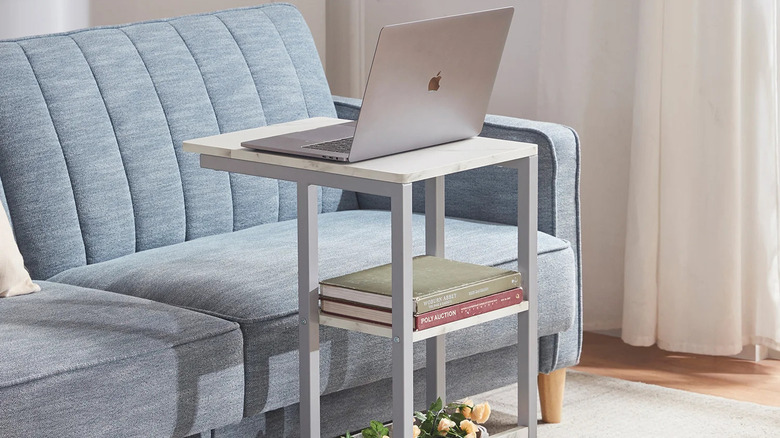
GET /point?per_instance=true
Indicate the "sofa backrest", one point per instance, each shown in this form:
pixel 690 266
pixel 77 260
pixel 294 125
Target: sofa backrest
pixel 92 121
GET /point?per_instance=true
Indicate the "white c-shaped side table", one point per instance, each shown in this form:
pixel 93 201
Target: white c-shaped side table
pixel 392 176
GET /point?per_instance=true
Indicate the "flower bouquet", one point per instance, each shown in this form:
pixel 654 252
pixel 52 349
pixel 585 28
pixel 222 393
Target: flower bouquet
pixel 456 420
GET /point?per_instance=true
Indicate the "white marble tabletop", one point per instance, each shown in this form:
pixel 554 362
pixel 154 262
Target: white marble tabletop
pixel 405 167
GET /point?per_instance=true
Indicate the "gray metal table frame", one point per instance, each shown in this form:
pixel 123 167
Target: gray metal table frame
pixel 400 195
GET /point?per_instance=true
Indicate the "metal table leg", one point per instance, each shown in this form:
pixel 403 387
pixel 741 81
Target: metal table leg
pixel 528 359
pixel 308 311
pixel 401 216
pixel 435 354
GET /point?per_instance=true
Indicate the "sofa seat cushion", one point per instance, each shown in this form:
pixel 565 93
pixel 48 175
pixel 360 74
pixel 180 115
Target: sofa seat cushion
pixel 250 277
pixel 71 357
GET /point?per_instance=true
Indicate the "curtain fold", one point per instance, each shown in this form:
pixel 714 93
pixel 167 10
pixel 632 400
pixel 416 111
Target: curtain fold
pixel 702 236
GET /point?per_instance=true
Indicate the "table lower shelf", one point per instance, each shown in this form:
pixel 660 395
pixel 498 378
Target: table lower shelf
pixel 387 332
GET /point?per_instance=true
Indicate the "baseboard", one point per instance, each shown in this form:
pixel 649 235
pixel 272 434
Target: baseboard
pixel 757 353
pixel 754 353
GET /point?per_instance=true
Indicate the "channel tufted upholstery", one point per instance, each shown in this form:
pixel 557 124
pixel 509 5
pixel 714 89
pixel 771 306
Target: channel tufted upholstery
pixel 100 114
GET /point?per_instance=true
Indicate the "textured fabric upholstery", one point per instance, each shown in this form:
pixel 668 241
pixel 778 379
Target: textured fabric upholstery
pixel 250 277
pixel 91 125
pixel 73 358
pixel 347 107
pixel 490 194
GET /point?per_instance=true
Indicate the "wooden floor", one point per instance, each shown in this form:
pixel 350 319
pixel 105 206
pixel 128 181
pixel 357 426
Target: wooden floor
pixel 757 382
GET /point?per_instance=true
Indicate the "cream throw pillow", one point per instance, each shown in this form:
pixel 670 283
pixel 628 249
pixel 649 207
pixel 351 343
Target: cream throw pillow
pixel 14 279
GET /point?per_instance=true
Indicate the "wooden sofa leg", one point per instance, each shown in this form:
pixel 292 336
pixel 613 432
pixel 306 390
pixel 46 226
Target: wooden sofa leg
pixel 551 395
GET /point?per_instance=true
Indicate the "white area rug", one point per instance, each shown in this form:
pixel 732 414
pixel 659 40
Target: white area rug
pixel 604 407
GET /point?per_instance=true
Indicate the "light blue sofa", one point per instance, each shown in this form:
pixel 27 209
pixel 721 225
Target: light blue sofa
pixel 168 302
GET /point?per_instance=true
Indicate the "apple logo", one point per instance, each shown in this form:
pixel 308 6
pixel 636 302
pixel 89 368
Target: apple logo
pixel 433 85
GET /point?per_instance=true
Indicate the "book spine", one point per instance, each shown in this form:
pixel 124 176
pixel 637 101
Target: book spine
pixel 467 293
pixel 470 308
pixel 354 318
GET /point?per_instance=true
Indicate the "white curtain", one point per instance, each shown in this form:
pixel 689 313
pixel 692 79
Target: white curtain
pixel 701 256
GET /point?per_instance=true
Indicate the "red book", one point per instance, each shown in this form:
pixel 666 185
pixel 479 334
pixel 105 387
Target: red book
pixel 426 320
pixel 468 309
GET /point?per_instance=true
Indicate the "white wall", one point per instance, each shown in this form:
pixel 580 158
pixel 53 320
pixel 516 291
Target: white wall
pixel 19 18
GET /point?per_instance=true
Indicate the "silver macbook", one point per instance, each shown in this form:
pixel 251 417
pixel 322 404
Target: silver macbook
pixel 430 83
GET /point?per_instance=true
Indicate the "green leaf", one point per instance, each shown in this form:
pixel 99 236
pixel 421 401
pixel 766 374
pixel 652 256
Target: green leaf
pixel 420 416
pixel 457 417
pixel 369 433
pixel 437 405
pixel 379 428
pixel 428 425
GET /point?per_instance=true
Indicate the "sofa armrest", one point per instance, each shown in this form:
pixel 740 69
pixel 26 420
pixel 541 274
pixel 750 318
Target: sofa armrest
pixel 559 167
pixel 347 107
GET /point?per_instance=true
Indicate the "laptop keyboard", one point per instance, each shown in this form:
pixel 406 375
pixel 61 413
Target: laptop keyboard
pixel 343 145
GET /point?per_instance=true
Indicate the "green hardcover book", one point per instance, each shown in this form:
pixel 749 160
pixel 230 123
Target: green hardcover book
pixel 436 283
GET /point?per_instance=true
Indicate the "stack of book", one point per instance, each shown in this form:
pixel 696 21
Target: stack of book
pixel 443 291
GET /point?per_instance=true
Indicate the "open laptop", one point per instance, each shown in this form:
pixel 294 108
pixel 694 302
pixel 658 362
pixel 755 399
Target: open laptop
pixel 430 83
